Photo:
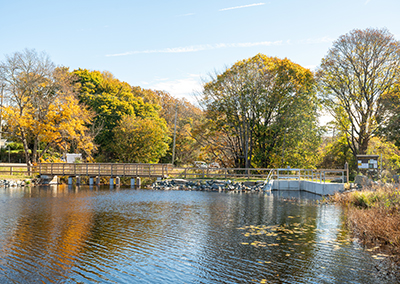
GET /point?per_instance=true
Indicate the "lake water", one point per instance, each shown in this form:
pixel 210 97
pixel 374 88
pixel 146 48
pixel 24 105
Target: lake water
pixel 61 235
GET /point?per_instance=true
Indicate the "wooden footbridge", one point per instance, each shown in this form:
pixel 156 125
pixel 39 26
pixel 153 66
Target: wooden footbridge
pixel 103 170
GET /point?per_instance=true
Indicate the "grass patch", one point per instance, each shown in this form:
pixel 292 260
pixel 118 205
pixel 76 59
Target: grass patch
pixel 15 177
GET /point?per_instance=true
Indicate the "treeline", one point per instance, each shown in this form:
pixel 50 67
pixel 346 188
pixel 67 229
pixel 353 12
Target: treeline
pixel 260 112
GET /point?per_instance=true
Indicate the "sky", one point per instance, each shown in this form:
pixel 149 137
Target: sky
pixel 175 45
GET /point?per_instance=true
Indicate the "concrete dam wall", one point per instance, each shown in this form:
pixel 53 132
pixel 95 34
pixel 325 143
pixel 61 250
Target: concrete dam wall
pixel 309 186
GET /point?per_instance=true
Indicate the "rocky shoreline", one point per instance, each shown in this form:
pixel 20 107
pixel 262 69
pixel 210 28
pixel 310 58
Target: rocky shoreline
pixel 14 183
pixel 209 185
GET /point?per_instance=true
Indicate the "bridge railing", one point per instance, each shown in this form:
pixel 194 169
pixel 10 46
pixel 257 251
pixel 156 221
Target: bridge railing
pixel 103 169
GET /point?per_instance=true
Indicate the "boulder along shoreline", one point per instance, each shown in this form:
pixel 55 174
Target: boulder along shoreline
pixel 209 185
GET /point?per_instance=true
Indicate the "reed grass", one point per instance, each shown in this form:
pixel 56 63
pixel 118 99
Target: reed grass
pixel 373 215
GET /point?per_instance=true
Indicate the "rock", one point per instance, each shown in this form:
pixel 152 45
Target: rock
pixel 209 185
pixel 362 181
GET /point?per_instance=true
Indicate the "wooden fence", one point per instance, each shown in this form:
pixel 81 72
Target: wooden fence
pixel 13 169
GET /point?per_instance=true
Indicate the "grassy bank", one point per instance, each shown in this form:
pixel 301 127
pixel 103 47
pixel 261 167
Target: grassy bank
pixel 21 177
pixel 374 217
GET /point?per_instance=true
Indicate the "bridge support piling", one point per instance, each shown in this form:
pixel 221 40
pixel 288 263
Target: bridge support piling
pixel 133 182
pixel 97 180
pixel 117 181
pixel 91 181
pixel 70 181
pixel 78 180
pixel 138 182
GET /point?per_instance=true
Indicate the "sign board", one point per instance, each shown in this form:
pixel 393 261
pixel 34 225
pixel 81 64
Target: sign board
pixel 367 162
pixel 71 158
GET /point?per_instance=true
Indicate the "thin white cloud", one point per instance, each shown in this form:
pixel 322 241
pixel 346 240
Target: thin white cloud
pixel 203 47
pixel 240 7
pixel 186 15
pixel 367 1
pixel 195 48
pixel 180 88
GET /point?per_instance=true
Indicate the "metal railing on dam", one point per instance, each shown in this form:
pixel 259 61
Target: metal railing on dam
pixel 321 175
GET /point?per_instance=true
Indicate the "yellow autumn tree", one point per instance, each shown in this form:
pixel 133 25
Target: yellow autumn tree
pixel 140 140
pixel 42 109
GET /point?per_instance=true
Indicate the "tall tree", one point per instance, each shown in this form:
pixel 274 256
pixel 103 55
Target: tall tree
pixel 263 106
pixel 140 140
pixel 111 100
pixel 41 105
pixel 358 70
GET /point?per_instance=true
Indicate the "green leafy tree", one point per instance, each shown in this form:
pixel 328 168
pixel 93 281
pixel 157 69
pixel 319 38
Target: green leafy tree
pixel 111 100
pixel 265 112
pixel 390 155
pixel 140 140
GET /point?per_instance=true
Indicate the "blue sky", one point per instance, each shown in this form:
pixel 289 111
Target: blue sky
pixel 172 45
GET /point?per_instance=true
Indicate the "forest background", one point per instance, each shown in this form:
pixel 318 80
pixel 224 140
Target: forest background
pixel 262 112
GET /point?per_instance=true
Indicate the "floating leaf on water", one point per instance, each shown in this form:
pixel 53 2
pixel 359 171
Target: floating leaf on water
pixel 245 243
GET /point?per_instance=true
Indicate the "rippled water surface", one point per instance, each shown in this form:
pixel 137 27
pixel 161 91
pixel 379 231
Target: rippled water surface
pixel 61 235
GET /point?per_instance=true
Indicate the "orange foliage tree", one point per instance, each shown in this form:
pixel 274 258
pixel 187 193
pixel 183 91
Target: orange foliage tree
pixel 42 109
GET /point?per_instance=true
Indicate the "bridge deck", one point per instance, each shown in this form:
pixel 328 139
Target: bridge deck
pixel 103 169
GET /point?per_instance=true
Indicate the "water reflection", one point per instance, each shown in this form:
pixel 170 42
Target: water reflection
pixel 97 235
